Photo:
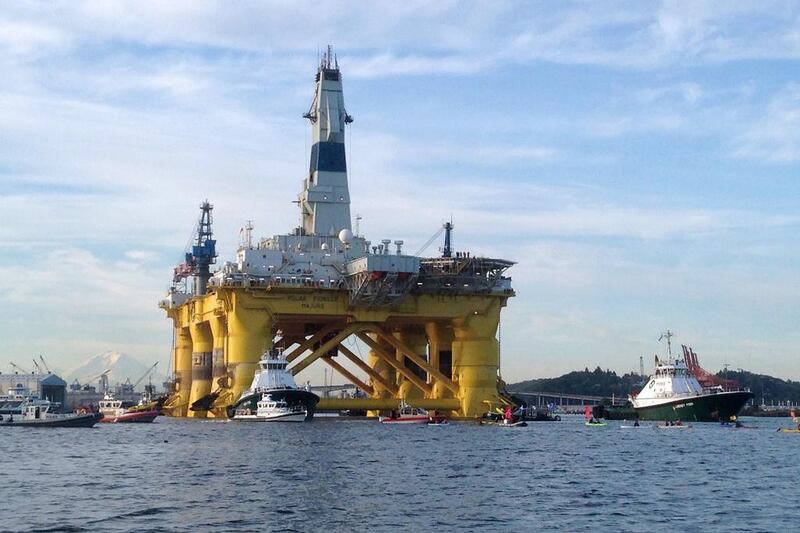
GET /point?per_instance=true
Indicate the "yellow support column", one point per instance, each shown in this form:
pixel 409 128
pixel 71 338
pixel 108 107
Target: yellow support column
pixel 218 368
pixel 476 361
pixel 440 339
pixel 202 346
pixel 249 335
pixel 383 368
pixel 183 370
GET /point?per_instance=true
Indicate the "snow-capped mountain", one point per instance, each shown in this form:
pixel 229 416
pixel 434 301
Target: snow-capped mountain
pixel 121 367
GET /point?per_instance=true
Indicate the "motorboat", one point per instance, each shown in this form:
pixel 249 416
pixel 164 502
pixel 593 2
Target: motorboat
pixel 272 410
pixel 406 415
pixel 115 412
pixel 37 414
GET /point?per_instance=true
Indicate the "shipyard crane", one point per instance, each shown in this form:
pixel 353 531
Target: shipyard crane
pixel 19 368
pixel 38 368
pixel 147 373
pixel 45 365
pixel 103 377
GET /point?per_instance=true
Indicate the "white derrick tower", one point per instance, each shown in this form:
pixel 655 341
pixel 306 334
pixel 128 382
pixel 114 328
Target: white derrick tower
pixel 325 199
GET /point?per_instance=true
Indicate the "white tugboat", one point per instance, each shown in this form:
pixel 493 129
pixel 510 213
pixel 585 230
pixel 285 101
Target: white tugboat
pixel 274 395
pixel 673 393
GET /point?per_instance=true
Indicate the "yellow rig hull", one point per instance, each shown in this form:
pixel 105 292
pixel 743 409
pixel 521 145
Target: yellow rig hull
pixel 432 351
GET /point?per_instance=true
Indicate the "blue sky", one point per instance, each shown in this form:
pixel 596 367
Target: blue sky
pixel 640 161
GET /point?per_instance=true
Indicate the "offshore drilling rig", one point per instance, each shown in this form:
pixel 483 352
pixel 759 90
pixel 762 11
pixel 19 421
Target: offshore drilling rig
pixel 430 323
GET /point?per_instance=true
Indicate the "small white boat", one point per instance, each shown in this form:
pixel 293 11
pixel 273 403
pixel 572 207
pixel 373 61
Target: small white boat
pixel 406 415
pixel 270 410
pixel 673 426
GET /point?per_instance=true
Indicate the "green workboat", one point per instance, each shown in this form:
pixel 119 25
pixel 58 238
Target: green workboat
pixel 673 393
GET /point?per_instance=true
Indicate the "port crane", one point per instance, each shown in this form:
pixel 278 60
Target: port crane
pixel 147 373
pixel 103 377
pixel 19 368
pixel 45 365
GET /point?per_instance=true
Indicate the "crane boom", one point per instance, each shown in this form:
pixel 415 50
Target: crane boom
pixel 14 365
pixel 98 376
pixel 45 365
pixel 152 367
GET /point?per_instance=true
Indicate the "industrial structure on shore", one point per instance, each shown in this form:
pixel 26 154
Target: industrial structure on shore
pixel 430 323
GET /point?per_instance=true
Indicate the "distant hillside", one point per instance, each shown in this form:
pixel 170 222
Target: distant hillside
pixel 767 387
pixel 122 367
pixel 606 383
pixel 596 382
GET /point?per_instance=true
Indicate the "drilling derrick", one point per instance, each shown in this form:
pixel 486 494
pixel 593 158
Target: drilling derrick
pixel 319 293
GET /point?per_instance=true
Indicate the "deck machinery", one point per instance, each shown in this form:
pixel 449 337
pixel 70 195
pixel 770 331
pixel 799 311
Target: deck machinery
pixel 429 324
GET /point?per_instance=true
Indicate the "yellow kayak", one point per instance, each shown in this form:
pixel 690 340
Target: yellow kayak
pixel 789 430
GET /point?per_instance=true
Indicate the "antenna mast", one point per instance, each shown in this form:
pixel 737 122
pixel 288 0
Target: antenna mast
pixel 668 335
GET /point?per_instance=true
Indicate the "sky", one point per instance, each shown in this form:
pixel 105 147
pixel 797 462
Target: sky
pixel 640 161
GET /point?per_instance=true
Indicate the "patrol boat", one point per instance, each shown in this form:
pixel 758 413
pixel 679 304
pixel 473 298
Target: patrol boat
pixel 37 414
pixel 673 393
pixel 273 394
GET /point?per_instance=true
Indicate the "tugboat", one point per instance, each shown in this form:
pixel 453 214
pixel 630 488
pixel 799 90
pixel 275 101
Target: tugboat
pixel 674 393
pixel 37 414
pixel 114 412
pixel 273 394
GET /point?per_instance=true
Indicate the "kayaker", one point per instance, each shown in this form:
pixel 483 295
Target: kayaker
pixel 636 423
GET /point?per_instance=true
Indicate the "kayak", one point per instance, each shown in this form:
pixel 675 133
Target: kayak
pixel 788 430
pixel 598 424
pixel 632 427
pixel 674 427
pixel 520 424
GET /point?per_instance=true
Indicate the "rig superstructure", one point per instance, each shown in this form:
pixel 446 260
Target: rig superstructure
pixel 430 324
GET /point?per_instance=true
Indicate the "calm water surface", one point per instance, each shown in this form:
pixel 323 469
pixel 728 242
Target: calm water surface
pixel 354 475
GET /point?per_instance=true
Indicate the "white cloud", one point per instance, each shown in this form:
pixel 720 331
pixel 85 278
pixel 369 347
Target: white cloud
pixel 775 136
pixel 22 38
